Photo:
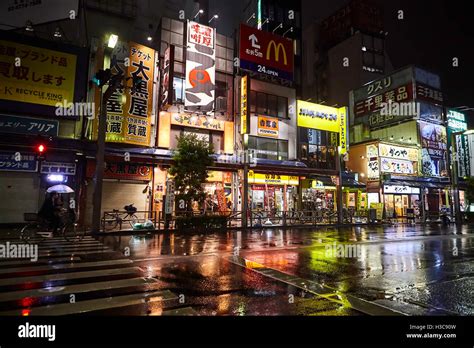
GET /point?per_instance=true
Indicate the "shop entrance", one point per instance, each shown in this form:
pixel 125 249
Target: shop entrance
pixel 272 198
pixel 396 205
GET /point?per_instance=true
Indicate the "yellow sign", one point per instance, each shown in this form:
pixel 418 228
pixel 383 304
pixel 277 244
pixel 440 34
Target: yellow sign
pixel 272 179
pixel 398 152
pixel 319 117
pixel 342 112
pixel 36 75
pixel 243 104
pixel 130 122
pixel 379 209
pixel 267 127
pixel 276 49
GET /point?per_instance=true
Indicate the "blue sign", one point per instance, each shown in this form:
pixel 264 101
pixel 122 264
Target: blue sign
pixel 17 162
pixel 31 126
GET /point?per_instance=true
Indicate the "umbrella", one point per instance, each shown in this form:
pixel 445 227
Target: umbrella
pixel 60 189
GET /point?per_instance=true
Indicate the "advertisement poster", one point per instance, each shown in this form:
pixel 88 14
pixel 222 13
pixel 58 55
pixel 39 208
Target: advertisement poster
pixel 200 67
pixel 389 165
pixel 44 77
pixel 130 122
pixel 433 136
pixel 373 170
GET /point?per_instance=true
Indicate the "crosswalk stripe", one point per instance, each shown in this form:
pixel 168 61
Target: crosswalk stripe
pixel 76 289
pixel 42 261
pixel 69 276
pixel 65 266
pixel 96 304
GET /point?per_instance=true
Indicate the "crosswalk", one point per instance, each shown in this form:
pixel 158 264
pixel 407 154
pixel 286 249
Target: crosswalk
pixel 85 277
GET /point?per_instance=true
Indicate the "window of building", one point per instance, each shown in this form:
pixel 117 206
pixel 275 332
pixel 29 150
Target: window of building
pixel 178 90
pixel 268 104
pixel 266 148
pixel 318 148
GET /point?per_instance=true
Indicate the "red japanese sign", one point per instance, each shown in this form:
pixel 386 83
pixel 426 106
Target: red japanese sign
pixel 375 103
pixel 122 171
pixel 265 53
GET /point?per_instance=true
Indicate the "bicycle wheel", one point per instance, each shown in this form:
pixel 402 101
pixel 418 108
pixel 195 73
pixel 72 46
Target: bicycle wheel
pixel 111 222
pixel 73 233
pixel 29 232
pixel 133 220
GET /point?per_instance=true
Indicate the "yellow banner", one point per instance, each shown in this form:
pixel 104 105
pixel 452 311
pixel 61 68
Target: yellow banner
pixel 316 116
pixel 130 122
pixel 36 75
pixel 272 179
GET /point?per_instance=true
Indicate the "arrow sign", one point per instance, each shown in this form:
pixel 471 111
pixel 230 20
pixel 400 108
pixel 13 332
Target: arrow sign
pixel 254 41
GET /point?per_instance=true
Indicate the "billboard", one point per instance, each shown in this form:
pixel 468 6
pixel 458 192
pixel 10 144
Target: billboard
pixel 200 67
pixel 433 136
pixel 244 107
pixel 14 13
pixel 265 53
pixel 40 76
pixel 130 121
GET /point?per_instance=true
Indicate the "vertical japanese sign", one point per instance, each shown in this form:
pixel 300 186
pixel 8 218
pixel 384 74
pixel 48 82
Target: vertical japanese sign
pixel 43 76
pixel 343 130
pixel 167 78
pixel 244 104
pixel 200 67
pixel 130 122
pixel 456 124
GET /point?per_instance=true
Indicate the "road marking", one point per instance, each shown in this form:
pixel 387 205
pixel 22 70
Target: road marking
pixel 65 266
pixel 75 289
pixel 96 304
pixel 69 276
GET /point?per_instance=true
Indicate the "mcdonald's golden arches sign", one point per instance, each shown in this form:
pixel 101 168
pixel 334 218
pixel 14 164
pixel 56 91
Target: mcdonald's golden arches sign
pixel 266 53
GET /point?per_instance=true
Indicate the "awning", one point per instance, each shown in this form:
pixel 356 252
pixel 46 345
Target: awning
pixel 349 182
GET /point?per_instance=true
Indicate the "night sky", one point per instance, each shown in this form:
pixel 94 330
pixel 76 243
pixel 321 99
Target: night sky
pixel 432 33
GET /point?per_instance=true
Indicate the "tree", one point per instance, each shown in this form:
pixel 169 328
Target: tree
pixel 470 191
pixel 191 159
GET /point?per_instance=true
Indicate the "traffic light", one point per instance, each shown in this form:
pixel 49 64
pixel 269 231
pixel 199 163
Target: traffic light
pixel 102 77
pixel 40 151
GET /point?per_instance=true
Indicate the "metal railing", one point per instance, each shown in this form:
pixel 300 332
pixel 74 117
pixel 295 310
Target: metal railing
pixel 117 220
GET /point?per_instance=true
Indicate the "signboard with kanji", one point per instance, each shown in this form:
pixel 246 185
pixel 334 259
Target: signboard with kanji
pixel 15 162
pixel 122 171
pixel 268 127
pixel 200 67
pixel 36 75
pixel 130 122
pixel 31 126
pixel 266 53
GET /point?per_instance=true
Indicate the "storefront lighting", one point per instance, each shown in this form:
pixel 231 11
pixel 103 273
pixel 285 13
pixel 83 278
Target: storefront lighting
pixel 113 39
pixel 29 26
pixel 198 13
pixel 57 33
pixel 149 38
pixel 469 132
pixel 364 48
pixel 55 178
pixel 362 175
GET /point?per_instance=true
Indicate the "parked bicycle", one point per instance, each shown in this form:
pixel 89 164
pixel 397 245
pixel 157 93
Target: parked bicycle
pixel 117 218
pixel 37 227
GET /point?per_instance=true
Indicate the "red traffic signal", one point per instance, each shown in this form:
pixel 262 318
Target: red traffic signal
pixel 41 149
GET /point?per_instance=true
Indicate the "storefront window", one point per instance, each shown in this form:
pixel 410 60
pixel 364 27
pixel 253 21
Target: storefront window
pixel 318 148
pixel 266 148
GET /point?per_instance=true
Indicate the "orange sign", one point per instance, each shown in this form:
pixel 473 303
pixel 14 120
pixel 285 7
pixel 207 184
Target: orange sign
pixel 267 127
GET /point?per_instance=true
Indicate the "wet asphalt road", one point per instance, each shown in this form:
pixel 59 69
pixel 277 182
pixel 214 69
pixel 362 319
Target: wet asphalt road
pixel 412 270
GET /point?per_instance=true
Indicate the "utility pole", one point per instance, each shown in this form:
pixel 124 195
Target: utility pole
pixel 340 217
pixel 114 83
